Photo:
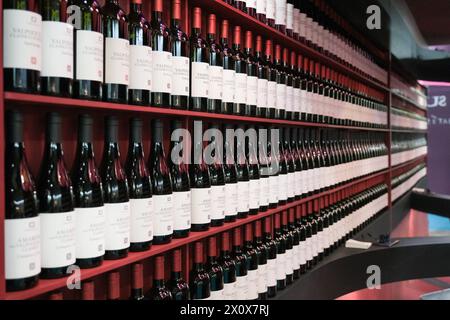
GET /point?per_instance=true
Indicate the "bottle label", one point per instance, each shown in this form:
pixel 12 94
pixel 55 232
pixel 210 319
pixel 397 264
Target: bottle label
pixel 252 90
pixel 162 72
pixel 302 26
pixel 201 206
pixel 262 93
pixel 57 239
pixel 89 55
pixel 281 266
pixel 270 9
pixel 290 16
pixel 295 257
pixel 264 193
pixel 140 67
pixel 254 193
pixel 218 199
pixel 281 96
pixel 117 226
pixel 163 215
pixel 141 220
pixel 262 278
pixel 261 6
pixel 289 98
pixel 271 94
pixel 273 187
pixel 22 248
pixel 298 183
pixel 215 90
pixel 252 284
pixel 272 272
pixel 180 76
pixel 182 207
pixel 22 39
pixel 117 61
pixel 241 288
pixel 302 253
pixel 291 185
pixel 57 49
pixel 280 12
pixel 199 79
pixel 90 232
pixel 289 262
pixel 217 295
pixel 228 85
pixel 296 100
pixel 240 95
pixel 296 20
pixel 282 187
pixel 231 204
pixel 243 196
pixel 229 291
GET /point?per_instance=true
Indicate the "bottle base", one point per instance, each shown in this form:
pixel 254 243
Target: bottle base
pixel 21 284
pixel 89 262
pixel 158 240
pixel 271 292
pixel 200 227
pixel 53 273
pixel 116 254
pixel 179 234
pixel 140 246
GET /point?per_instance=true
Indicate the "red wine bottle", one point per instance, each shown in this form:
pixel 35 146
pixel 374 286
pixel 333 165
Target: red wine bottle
pixel 140 82
pixel 199 278
pixel 274 167
pixel 288 156
pixel 215 271
pixel 272 260
pixel 283 179
pixel 243 176
pixel 228 268
pixel 231 175
pixel 289 85
pixel 217 177
pixel 281 254
pixel 240 260
pixel 88 195
pixel 140 187
pixel 117 53
pixel 262 71
pixel 252 264
pixel 252 76
pixel 22 26
pixel 289 241
pixel 57 60
pixel 180 60
pixel 281 84
pixel 162 188
pixel 161 58
pixel 240 66
pixel 264 173
pixel 272 82
pixel 56 206
pixel 296 96
pixel 137 282
pixel 179 172
pixel 200 54
pixel 178 286
pixel 298 165
pixel 22 259
pixel 159 290
pixel 229 73
pixel 216 55
pixel 262 253
pixel 253 172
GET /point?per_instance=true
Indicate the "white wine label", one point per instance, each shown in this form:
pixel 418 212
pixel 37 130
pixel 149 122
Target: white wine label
pixel 201 206
pixel 273 187
pixel 281 266
pixel 218 199
pixel 180 76
pixel 262 278
pixel 280 12
pixel 252 285
pixel 308 250
pixel 271 94
pixel 117 226
pixel 296 100
pixel 163 215
pixel 241 288
pixel 298 183
pixel 89 55
pixel 232 203
pixel 141 66
pixel 302 253
pixel 261 6
pixel 240 95
pixel 22 248
pixel 281 96
pixel 182 210
pixel 90 232
pixel 302 24
pixel 252 90
pixel 288 262
pixel 229 291
pixel 282 187
pixel 262 93
pixel 228 85
pixel 270 9
pixel 251 3
pixel 271 272
pixel 264 192
pixel 199 79
pixel 141 220
pixel 243 196
pixel 296 20
pixel 290 16
pixel 216 295
pixel 215 90
pixel 291 185
pixel 295 257
pixel 254 191
pixel 57 239
pixel 289 97
pixel 57 49
pixel 162 71
pixel 22 39
pixel 117 61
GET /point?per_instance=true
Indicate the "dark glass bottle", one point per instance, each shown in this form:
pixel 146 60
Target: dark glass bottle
pixel 252 76
pixel 274 167
pixel 199 278
pixel 178 286
pixel 229 72
pixel 264 173
pixel 261 10
pixel 231 176
pixel 281 84
pixel 217 177
pixel 56 206
pixel 215 271
pixel 289 159
pixel 88 194
pixel 216 55
pixel 140 188
pixel 296 158
pixel 116 53
pixel 272 112
pixel 281 254
pixel 252 264
pixel 283 177
pixel 21 211
pixel 253 172
pixel 137 282
pixel 262 71
pixel 240 4
pixel 289 241
pixel 240 66
pixel 243 177
pixel 272 260
pixel 240 260
pixel 228 268
pixel 262 253
pixel 159 290
pixel 293 229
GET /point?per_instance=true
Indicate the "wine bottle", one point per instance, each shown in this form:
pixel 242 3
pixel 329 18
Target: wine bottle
pixel 253 171
pixel 57 60
pixel 178 286
pixel 56 206
pixel 228 268
pixel 252 76
pixel 270 13
pixel 200 54
pixel 289 261
pixel 215 271
pixel 261 10
pixel 283 182
pixel 180 60
pixel 240 96
pixel 296 31
pixel 116 194
pixel 272 82
pixel 243 192
pixel 161 58
pixel 163 204
pixel 200 184
pixel 262 252
pixel 140 84
pixel 264 171
pixel 290 18
pixel 299 172
pixel 240 260
pixel 262 71
pixel 289 85
pixel 274 167
pixel 302 239
pixel 88 75
pixel 280 15
pixel 22 27
pixel 281 254
pixel 179 172
pixel 22 223
pixel 288 157
pixel 271 245
pixel 140 187
pixel 117 53
pixel 216 55
pixel 217 177
pixel 296 96
pixel 199 278
pixel 281 85
pixel 229 72
pixel 159 290
pixel 231 175
pixel 252 264
pixel 137 282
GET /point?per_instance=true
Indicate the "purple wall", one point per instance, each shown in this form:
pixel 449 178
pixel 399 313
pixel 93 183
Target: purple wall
pixel 439 139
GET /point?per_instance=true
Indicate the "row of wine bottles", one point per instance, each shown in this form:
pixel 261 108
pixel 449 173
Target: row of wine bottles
pixel 125 59
pixel 402 119
pixel 86 216
pixel 317 25
pixel 408 146
pixel 404 182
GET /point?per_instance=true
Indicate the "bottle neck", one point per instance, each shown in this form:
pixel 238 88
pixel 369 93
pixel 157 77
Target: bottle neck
pixel 136 7
pixel 211 37
pixel 157 16
pixel 159 283
pixel 176 23
pixel 196 32
pixel 176 275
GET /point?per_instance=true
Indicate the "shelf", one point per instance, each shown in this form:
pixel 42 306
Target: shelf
pixel 46 286
pixel 408 101
pixel 41 100
pixel 226 11
pixel 409 131
pixel 407 163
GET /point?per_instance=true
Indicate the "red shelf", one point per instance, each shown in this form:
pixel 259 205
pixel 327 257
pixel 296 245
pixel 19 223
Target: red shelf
pixel 407 163
pixel 226 11
pixel 40 100
pixel 46 286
